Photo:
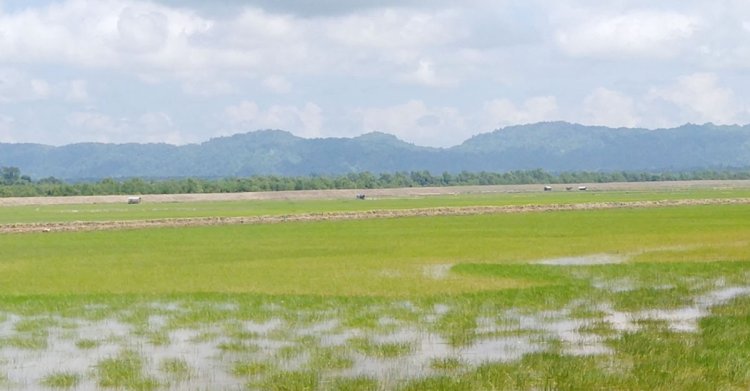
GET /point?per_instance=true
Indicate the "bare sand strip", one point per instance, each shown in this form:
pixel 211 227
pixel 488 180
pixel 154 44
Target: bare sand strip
pixel 358 215
pixel 377 193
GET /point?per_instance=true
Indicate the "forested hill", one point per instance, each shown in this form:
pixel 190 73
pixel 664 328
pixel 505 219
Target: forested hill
pixel 552 146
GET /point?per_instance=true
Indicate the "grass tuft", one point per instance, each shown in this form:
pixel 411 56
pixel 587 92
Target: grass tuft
pixel 61 380
pixel 176 368
pixel 291 380
pixel 381 350
pixel 358 383
pixel 252 368
pixel 86 344
pixel 125 371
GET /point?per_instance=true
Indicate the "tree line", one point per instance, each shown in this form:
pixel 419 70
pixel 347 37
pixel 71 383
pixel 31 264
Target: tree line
pixel 14 184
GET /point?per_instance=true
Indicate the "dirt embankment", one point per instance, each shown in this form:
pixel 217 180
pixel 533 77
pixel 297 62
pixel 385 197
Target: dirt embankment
pixel 377 193
pixel 359 215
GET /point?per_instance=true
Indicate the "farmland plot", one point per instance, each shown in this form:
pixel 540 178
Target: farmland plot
pixel 636 298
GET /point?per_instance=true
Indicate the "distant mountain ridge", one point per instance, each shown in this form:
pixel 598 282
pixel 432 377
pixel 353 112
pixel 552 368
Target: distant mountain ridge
pixel 552 146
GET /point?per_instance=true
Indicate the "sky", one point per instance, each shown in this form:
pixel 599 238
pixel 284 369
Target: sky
pixel 432 72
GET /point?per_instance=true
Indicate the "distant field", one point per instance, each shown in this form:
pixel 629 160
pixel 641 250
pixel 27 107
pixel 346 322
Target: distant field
pixel 370 257
pixel 389 199
pixel 626 298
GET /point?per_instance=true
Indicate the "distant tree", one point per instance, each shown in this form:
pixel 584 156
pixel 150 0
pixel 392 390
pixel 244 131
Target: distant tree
pixel 193 186
pixel 10 175
pixel 49 180
pixel 13 184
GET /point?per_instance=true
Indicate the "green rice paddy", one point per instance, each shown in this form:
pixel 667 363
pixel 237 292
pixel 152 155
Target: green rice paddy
pixel 651 298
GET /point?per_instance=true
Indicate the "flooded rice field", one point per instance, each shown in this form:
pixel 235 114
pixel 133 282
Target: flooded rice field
pixel 225 344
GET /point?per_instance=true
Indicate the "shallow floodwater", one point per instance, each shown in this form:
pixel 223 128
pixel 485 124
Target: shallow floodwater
pixel 390 349
pixel 594 259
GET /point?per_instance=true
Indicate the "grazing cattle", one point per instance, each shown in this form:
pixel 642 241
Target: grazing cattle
pixel 547 188
pixel 569 188
pixel 360 196
pixel 134 200
pixel 582 187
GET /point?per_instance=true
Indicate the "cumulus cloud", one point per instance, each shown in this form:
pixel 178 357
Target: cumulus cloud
pixel 502 112
pixel 702 99
pixel 415 122
pixel 398 44
pixel 609 108
pixel 77 91
pixel 425 74
pixel 156 122
pixel 305 121
pixel 255 27
pixel 452 60
pixel 396 28
pixel 243 113
pixel 6 129
pixel 207 87
pixel 17 86
pixel 158 42
pixel 648 33
pixel 142 30
pixel 108 33
pixel 277 84
pixel 96 126
pixel 101 127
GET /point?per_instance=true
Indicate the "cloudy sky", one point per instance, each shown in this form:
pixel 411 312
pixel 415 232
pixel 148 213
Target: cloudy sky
pixel 431 72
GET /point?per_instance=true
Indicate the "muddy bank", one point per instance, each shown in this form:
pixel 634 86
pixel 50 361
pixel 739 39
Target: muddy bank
pixel 358 215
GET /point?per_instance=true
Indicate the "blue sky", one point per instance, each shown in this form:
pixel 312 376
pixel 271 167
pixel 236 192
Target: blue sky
pixel 431 72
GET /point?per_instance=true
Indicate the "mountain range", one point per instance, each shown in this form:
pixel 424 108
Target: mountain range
pixel 552 146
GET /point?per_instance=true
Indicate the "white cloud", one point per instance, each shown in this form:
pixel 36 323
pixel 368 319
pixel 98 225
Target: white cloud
pixel 7 134
pixel 400 44
pixel 415 122
pixel 609 108
pixel 156 122
pixel 393 28
pixel 40 88
pixel 156 127
pixel 648 33
pixel 243 113
pixel 305 121
pixel 77 91
pixel 207 87
pixel 142 30
pixel 254 28
pixel 100 127
pixel 157 43
pixel 116 34
pixel 277 84
pixel 17 86
pixel 55 55
pixel 502 112
pixel 95 126
pixel 702 99
pixel 425 74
